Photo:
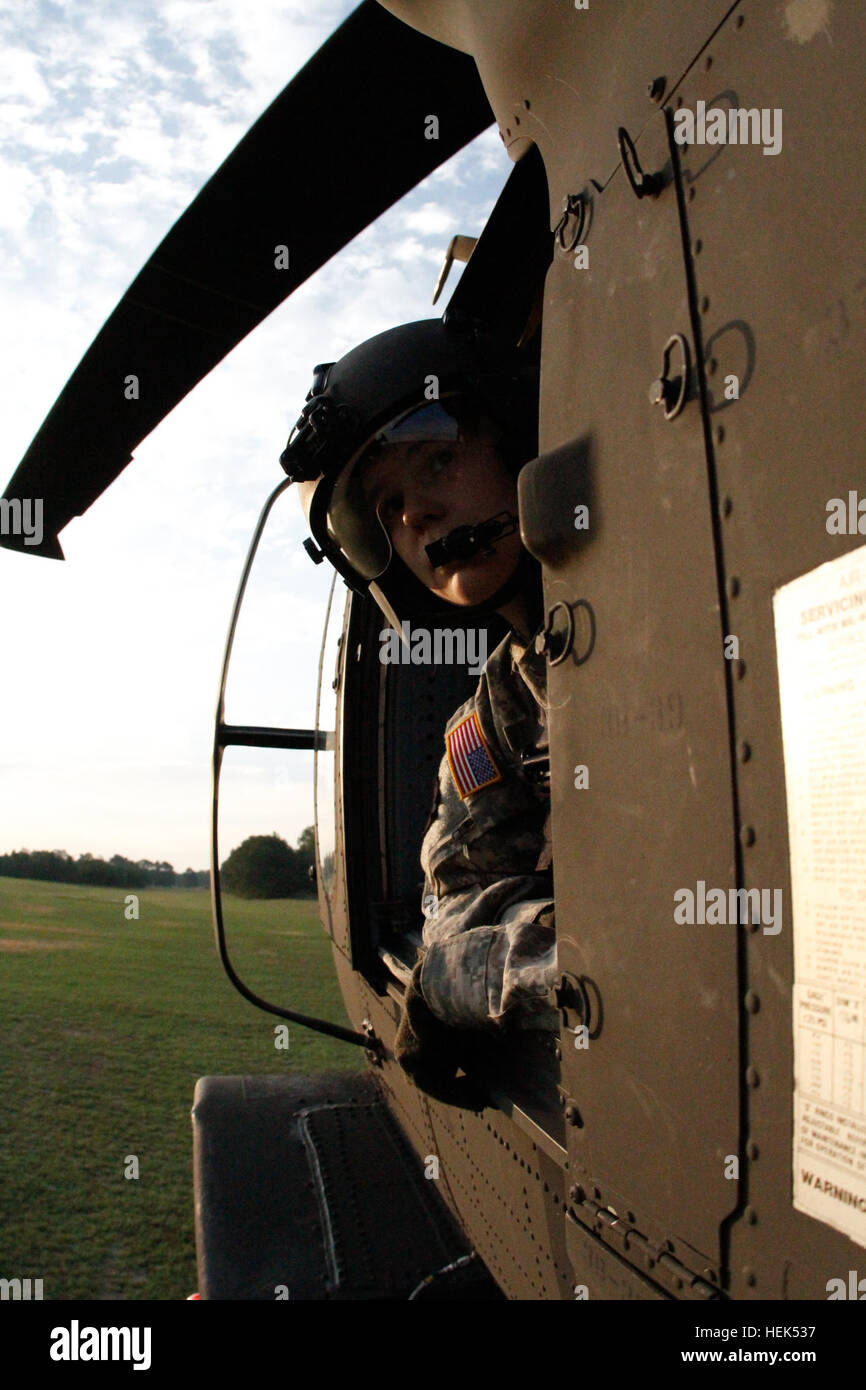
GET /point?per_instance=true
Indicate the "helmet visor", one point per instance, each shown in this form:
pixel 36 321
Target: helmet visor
pixel 353 518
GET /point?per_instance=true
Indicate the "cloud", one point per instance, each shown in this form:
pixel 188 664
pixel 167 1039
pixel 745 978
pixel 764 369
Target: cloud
pixel 432 219
pixel 116 117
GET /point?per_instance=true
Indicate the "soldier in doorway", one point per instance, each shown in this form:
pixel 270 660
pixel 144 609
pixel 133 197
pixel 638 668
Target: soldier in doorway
pixel 407 454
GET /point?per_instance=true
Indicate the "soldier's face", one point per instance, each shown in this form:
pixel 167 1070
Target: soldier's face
pixel 422 491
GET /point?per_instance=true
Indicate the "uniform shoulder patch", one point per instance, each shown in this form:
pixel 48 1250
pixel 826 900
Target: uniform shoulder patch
pixel 469 757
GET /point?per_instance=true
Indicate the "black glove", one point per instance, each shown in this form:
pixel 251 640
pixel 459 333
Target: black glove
pixel 429 1051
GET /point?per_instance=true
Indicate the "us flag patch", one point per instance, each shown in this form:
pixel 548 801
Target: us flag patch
pixel 472 767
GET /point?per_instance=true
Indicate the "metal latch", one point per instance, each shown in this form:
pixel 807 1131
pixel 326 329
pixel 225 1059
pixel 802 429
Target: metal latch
pixel 572 224
pixel 642 185
pixel 671 391
pixel 572 1000
pixel 374 1052
pixel 569 627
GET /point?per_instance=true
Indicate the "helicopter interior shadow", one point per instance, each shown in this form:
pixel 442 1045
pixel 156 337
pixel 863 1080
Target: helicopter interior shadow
pixel 420 699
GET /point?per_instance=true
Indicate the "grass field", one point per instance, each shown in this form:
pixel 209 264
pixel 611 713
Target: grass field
pixel 105 1026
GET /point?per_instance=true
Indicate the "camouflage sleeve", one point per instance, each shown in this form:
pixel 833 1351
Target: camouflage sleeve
pixel 488 957
pixel 473 975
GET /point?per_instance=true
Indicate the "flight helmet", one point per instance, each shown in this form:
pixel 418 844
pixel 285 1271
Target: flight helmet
pixel 428 380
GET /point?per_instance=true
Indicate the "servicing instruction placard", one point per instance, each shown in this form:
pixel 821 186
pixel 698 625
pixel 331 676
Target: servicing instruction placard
pixel 821 643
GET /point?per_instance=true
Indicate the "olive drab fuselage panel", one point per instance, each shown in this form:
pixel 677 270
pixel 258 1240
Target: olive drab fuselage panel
pixel 645 712
pixel 780 274
pixel 564 79
pixel 693 522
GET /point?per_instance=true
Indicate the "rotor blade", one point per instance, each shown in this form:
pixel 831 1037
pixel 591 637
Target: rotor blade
pixel 348 136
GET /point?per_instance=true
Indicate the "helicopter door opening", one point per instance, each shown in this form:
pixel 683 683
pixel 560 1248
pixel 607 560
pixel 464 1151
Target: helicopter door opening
pixel 390 745
pixel 418 701
pixel 395 711
pixel 391 721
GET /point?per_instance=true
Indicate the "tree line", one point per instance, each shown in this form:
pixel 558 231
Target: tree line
pixel 57 866
pixel 263 866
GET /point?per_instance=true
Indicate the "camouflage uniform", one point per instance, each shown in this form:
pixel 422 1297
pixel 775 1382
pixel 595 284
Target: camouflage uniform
pixel 486 861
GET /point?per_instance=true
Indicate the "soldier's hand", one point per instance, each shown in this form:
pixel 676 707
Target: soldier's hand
pixel 429 1051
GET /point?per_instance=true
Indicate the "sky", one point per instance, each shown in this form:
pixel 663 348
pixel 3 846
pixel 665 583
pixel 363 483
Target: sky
pixel 111 119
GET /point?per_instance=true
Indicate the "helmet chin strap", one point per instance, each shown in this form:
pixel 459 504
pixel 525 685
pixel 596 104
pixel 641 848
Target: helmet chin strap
pixel 525 580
